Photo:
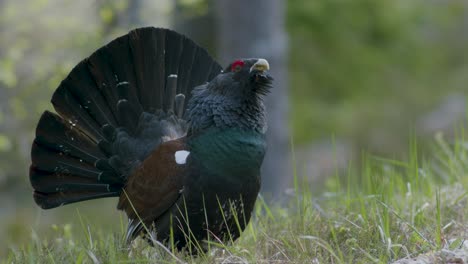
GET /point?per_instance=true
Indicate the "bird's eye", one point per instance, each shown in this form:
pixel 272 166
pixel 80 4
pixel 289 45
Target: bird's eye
pixel 237 65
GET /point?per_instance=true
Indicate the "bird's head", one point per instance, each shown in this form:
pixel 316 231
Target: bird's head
pixel 249 75
pixel 242 79
pixel 234 98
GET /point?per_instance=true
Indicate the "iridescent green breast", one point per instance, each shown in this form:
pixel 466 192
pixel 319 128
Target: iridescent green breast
pixel 230 153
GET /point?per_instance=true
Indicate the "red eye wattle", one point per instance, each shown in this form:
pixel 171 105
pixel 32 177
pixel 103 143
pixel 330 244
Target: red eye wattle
pixel 237 65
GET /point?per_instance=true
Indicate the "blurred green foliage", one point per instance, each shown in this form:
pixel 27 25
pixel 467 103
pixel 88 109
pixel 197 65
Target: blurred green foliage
pixel 367 70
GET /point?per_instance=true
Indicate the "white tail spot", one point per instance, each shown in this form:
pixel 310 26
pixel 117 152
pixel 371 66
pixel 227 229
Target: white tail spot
pixel 181 156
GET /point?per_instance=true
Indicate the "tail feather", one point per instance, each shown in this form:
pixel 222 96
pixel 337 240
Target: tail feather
pixel 179 105
pixel 171 88
pixel 188 54
pixel 119 61
pixel 69 109
pixel 47 159
pixel 147 46
pixel 113 109
pixel 126 91
pixel 47 182
pixel 53 133
pixel 109 132
pixel 127 116
pixel 121 69
pixel 56 199
pixel 174 47
pixel 206 69
pixel 106 79
pixel 81 84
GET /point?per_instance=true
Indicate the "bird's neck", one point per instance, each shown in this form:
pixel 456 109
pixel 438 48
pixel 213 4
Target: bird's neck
pixel 207 110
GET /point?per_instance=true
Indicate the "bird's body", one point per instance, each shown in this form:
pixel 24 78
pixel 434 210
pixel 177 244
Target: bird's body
pixel 186 171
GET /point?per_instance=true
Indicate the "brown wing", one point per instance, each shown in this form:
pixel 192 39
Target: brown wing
pixel 155 186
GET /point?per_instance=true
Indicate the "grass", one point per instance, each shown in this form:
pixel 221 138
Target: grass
pixel 387 211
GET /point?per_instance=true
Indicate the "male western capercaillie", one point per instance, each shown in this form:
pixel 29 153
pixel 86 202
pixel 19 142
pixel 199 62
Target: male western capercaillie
pixel 152 119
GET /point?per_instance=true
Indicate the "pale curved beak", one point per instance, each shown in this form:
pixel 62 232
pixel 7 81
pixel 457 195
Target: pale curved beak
pixel 261 65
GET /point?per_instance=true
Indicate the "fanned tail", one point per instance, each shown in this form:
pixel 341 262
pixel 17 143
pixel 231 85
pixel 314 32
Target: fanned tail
pixel 113 109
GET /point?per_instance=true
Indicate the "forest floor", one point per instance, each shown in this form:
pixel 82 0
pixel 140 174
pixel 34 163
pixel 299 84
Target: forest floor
pixel 385 211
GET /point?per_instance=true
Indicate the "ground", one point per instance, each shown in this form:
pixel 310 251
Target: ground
pixel 387 211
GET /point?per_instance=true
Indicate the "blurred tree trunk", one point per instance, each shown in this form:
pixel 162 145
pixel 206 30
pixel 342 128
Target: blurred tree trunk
pixel 197 21
pixel 127 18
pixel 256 29
pixel 131 16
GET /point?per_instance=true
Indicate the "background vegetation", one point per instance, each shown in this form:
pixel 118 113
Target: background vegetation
pixel 370 69
pixel 363 75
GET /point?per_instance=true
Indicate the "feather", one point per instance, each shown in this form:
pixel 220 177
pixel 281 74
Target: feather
pixel 113 109
pixel 179 105
pixel 170 93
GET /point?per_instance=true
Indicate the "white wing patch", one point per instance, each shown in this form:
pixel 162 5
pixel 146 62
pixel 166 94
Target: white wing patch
pixel 181 156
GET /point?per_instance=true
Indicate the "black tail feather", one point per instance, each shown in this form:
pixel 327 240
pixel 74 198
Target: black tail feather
pixel 147 46
pixel 109 114
pixel 52 200
pixel 119 62
pixel 109 132
pixel 69 109
pixel 184 74
pixel 171 88
pixel 105 166
pixel 82 86
pixel 128 117
pixel 174 49
pixel 179 105
pixel 47 182
pixel 106 80
pixel 106 147
pixel 47 159
pixel 199 75
pixel 54 133
pixel 127 92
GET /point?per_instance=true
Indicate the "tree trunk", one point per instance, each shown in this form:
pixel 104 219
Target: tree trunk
pixel 200 27
pixel 131 16
pixel 256 29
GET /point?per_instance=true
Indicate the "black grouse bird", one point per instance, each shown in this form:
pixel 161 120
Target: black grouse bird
pixel 152 119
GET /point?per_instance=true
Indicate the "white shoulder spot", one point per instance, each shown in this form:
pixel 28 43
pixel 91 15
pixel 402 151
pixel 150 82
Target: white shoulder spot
pixel 181 156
